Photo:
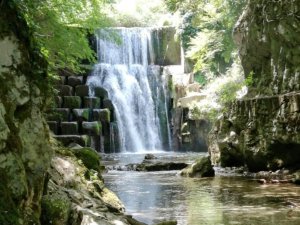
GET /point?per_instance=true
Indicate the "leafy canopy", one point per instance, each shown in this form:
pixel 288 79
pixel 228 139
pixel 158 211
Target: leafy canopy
pixel 211 47
pixel 61 28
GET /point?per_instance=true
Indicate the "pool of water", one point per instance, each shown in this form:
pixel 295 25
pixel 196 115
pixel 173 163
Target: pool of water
pixel 223 200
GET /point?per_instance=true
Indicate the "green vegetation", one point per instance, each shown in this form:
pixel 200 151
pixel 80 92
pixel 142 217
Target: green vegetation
pixel 60 29
pixel 89 158
pixel 206 33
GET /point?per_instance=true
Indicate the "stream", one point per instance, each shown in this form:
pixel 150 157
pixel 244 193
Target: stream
pixel 226 199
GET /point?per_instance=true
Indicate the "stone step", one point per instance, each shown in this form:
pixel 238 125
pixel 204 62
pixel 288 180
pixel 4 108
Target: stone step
pixel 81 114
pixel 92 102
pixel 82 90
pixel 65 90
pixel 91 128
pixel 82 140
pixel 72 102
pixel 100 92
pixel 69 128
pixel 102 115
pixel 58 114
pixel 58 101
pixel 53 126
pixel 75 80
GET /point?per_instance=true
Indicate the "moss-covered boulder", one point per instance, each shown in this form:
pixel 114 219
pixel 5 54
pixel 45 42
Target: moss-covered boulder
pixel 201 168
pixel 56 209
pixel 89 157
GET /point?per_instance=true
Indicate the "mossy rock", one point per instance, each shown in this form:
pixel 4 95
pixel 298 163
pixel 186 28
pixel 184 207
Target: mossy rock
pixel 89 157
pixel 201 168
pixel 72 102
pixel 55 209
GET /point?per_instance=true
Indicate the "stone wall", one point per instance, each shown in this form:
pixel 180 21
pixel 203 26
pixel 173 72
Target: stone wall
pixel 24 138
pixel 262 131
pixel 78 118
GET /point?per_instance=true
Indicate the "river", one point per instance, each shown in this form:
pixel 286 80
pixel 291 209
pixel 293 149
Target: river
pixel 226 199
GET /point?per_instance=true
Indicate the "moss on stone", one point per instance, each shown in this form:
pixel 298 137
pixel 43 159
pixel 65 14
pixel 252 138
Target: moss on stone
pixel 72 102
pixel 55 209
pixel 201 168
pixel 89 157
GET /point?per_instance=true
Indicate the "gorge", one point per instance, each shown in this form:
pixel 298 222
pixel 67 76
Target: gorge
pixel 74 149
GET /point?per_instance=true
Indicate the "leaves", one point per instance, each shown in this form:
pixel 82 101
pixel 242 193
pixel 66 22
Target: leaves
pixel 61 29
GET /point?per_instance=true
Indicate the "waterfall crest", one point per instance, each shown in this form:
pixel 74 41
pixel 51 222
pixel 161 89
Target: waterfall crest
pixel 127 72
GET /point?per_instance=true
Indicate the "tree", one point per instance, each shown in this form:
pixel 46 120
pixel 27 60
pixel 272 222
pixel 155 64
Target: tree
pixel 212 46
pixel 61 28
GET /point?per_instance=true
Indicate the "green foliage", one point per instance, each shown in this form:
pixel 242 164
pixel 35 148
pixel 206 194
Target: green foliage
pixel 249 79
pixel 61 27
pixel 207 35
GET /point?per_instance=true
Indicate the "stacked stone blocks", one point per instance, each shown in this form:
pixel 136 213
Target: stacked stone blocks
pixel 79 118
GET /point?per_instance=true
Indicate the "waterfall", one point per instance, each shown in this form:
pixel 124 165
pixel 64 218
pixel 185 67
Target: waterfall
pixel 124 70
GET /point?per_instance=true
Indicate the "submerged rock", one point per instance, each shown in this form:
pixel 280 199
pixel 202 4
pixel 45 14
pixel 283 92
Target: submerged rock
pixel 160 166
pixel 201 168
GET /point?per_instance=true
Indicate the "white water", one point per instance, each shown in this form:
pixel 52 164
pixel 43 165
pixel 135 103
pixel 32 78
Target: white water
pixel 123 71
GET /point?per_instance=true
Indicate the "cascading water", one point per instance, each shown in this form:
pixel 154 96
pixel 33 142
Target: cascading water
pixel 124 70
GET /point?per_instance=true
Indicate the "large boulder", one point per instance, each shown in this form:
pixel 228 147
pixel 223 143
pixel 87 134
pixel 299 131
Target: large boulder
pixel 201 168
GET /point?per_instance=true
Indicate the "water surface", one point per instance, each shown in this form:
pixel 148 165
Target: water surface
pixel 223 200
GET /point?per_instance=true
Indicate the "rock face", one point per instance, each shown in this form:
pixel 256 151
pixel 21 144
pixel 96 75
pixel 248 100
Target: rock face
pixel 262 131
pixel 24 139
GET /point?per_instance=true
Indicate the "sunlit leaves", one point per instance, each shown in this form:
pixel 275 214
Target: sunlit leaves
pixel 61 28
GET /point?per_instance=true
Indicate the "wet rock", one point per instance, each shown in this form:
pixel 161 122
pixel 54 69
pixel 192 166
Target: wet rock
pixel 100 92
pixel 160 166
pixel 102 115
pixel 150 157
pixel 201 168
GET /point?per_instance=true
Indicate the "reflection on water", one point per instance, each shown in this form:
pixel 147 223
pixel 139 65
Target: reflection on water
pixel 154 196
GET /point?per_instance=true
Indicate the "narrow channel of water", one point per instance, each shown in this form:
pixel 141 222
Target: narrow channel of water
pixel 223 200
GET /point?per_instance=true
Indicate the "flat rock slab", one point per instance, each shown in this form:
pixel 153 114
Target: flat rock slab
pixel 82 140
pixel 148 166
